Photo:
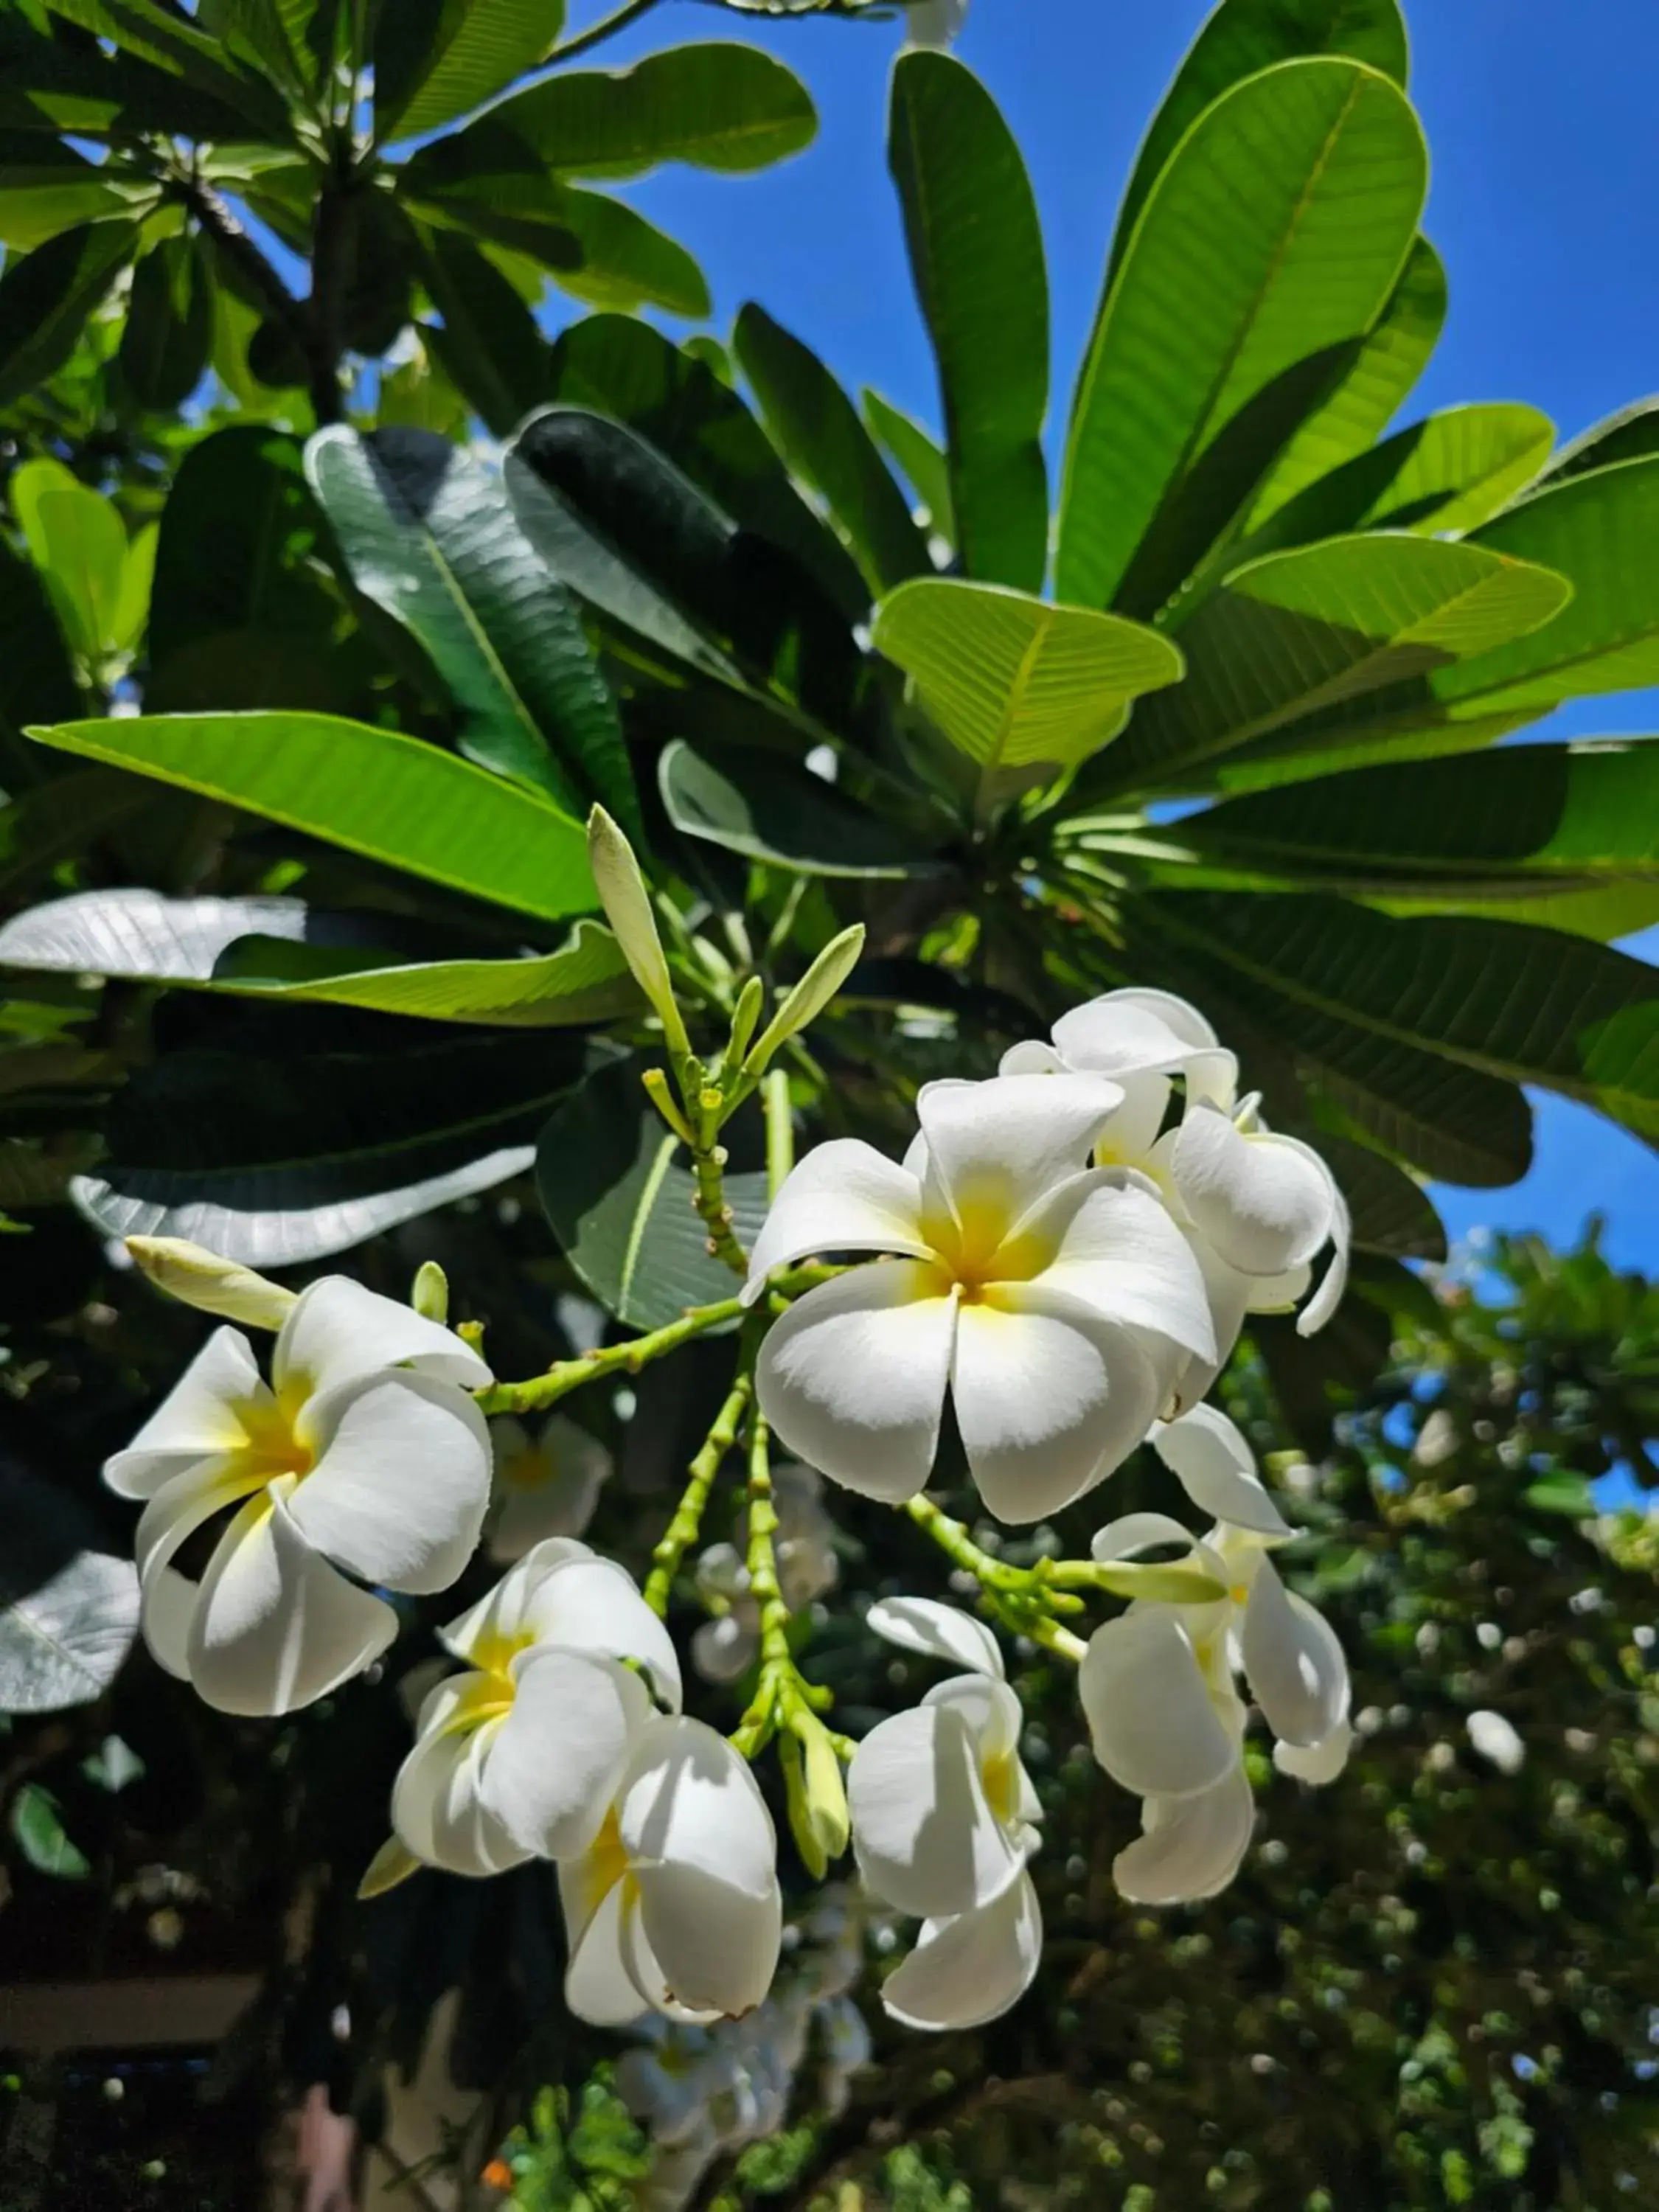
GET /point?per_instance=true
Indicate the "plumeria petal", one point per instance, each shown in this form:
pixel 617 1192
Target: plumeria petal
pixel 926 1838
pixel 1191 1847
pixel 199 1419
pixel 1129 1136
pixel 991 1710
pixel 1266 1203
pixel 561 1751
pixel 1215 1468
pixel 1335 1281
pixel 970 1969
pixel 1033 1057
pixel 1128 1032
pixel 843 1197
pixel 338 1330
pixel 1293 1662
pixel 1047 1403
pixel 941 1631
pixel 178 1509
pixel 598 1986
pixel 852 1377
pixel 1138 1532
pixel 275 1627
pixel 401 1482
pixel 1112 1248
pixel 1315 1762
pixel 500 1618
pixel 998 1147
pixel 703 1853
pixel 438 1811
pixel 592 1605
pixel 1151 1718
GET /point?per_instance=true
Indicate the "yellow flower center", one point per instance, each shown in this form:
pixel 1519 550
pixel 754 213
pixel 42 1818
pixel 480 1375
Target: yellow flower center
pixel 1000 1776
pixel 975 1251
pixel 272 1449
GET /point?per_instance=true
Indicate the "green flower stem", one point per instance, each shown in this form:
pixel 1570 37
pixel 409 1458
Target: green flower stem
pixel 782 1690
pixel 568 1375
pixel 686 1526
pixel 780 1128
pixel 708 1169
pixel 1020 1598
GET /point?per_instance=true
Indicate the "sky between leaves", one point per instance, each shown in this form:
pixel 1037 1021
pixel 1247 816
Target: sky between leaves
pixel 1545 205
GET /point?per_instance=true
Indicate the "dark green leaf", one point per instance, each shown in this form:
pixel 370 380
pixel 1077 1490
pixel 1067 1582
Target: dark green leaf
pixel 436 59
pixel 1630 434
pixel 166 39
pixel 921 460
pixel 45 188
pixel 60 819
pixel 1241 37
pixel 277 1156
pixel 1390 1213
pixel 375 792
pixel 429 534
pixel 169 325
pixel 1275 234
pixel 720 106
pixel 976 249
pixel 815 427
pixel 489 344
pixel 619 1202
pixel 47 296
pixel 69 1611
pixel 37 681
pixel 780 814
pixel 40 1834
pixel 47 85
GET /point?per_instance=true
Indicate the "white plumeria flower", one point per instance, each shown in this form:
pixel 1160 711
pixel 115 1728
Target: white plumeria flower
pixel 363 1453
pixel 545 1486
pixel 944 1820
pixel 1158 1683
pixel 725 1647
pixel 515 1756
pixel 675 1905
pixel 1256 1207
pixel 1056 1303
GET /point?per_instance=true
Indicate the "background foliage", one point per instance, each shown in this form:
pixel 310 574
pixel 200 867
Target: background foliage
pixel 304 689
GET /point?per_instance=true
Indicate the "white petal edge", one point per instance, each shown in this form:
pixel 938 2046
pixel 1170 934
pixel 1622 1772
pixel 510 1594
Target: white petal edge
pixel 926 1839
pixel 844 1196
pixel 199 1418
pixel 1151 1719
pixel 1208 1454
pixel 1191 1847
pixel 338 1330
pixel 1292 1661
pixel 559 1756
pixel 999 1146
pixel 938 1631
pixel 970 1969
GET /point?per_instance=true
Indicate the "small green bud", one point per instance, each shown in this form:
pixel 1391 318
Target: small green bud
pixel 824 1792
pixel 199 1277
pixel 813 1856
pixel 429 1295
pixel 390 1865
pixel 745 1015
pixel 1169 1585
pixel 810 996
pixel 627 904
pixel 657 1090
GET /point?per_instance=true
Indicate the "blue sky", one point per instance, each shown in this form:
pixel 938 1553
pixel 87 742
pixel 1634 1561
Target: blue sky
pixel 1545 205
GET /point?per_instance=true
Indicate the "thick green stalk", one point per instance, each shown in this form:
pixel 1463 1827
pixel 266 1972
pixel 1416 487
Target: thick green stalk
pixel 686 1526
pixel 1020 1598
pixel 568 1375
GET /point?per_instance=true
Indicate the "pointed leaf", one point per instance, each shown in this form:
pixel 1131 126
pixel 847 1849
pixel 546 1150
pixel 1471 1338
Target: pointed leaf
pixel 780 814
pixel 816 426
pixel 920 458
pixel 169 325
pixel 436 59
pixel 976 247
pixel 489 343
pixel 427 532
pixel 375 792
pixel 1629 435
pixel 1276 233
pixel 76 539
pixel 38 1828
pixel 619 1201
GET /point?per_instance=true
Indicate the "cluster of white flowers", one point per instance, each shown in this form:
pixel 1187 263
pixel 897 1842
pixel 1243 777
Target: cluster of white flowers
pixel 1068 1270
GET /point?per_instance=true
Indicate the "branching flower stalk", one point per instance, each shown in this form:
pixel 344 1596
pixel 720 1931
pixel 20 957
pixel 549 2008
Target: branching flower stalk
pixel 682 1531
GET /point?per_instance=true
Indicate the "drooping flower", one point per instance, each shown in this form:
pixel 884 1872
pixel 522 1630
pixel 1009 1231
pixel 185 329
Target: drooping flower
pixel 545 1486
pixel 1157 1684
pixel 1056 1304
pixel 724 1647
pixel 675 1905
pixel 363 1453
pixel 509 1761
pixel 944 1821
pixel 1257 1206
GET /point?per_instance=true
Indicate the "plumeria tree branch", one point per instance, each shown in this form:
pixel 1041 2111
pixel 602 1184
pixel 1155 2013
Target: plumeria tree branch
pixel 540 1391
pixel 682 1531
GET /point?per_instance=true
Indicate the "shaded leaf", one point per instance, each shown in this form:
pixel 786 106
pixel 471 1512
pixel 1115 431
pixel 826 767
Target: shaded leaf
pixel 169 326
pixel 1629 435
pixel 37 1828
pixel 78 542
pixel 489 343
pixel 37 678
pixel 69 1611
pixel 62 818
pixel 782 815
pixel 920 458
pixel 437 59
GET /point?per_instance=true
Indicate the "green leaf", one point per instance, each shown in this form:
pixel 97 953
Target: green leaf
pixel 169 41
pixel 920 458
pixel 781 815
pixel 1241 37
pixel 40 1834
pixel 1599 531
pixel 437 59
pixel 235 559
pixel 69 1611
pixel 626 262
pixel 60 819
pixel 47 297
pixel 1014 684
pixel 37 679
pixel 169 325
pixel 1276 234
pixel 277 948
pixel 78 542
pixel 1390 1213
pixel 1629 435
pixel 976 247
pixel 815 427
pixel 276 1155
pixel 48 187
pixel 620 1203
pixel 47 86
pixel 138 581
pixel 1384 367
pixel 720 106
pixel 1446 474
pixel 114 1765
pixel 1527 1005
pixel 429 534
pixel 677 402
pixel 489 344
pixel 374 792
pixel 1569 1494
pixel 1323 624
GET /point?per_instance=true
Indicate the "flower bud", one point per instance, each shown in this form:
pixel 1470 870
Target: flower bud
pixel 627 904
pixel 823 1792
pixel 429 1295
pixel 744 1017
pixel 810 996
pixel 197 1277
